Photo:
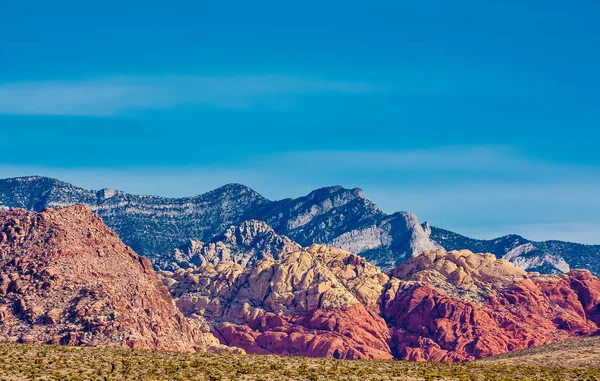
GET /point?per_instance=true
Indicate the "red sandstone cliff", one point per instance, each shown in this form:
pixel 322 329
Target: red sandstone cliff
pixel 314 302
pixel 461 306
pixel 441 306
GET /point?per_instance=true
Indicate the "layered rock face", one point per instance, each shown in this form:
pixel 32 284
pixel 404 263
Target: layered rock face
pixel 66 278
pixel 315 302
pixel 345 219
pixel 457 306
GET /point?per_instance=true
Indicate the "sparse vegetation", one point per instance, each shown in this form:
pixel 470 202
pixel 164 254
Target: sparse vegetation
pixel 38 362
pixel 573 353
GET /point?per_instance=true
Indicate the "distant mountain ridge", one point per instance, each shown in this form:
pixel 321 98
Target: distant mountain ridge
pixel 545 257
pixel 155 226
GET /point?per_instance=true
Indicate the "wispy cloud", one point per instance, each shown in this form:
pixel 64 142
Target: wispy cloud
pixel 113 95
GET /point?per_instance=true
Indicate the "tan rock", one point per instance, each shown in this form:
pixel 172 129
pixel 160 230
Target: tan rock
pixel 308 302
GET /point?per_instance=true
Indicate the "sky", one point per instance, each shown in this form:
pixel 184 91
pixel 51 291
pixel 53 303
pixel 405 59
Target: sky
pixel 480 117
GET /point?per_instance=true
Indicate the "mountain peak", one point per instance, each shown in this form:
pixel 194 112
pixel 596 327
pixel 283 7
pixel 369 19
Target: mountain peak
pixel 87 287
pixel 245 243
pixel 335 189
pixel 234 187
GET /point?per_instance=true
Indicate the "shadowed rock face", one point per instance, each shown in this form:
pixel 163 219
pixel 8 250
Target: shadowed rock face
pixel 66 278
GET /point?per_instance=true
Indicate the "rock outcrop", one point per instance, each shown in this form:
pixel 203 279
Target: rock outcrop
pixel 458 306
pixel 244 244
pixel 439 306
pixel 66 278
pixel 180 257
pixel 314 302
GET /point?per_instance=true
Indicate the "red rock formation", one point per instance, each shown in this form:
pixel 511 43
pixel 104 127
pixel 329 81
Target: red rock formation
pixel 350 333
pixel 441 306
pixel 307 303
pixel 447 317
pixel 67 278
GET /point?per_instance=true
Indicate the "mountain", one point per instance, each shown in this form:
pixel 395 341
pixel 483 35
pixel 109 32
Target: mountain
pixel 243 244
pixel 548 257
pixel 66 278
pixel 155 226
pixel 437 306
pixel 148 224
pixel 165 229
pixel 317 302
pixel 460 306
pixel 345 219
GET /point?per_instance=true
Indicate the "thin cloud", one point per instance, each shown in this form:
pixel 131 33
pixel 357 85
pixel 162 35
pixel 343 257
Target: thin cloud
pixel 114 95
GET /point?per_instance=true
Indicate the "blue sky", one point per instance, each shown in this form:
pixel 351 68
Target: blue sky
pixel 481 117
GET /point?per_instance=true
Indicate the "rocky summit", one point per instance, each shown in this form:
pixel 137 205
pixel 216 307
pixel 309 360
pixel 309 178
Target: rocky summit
pixel 66 278
pixel 242 244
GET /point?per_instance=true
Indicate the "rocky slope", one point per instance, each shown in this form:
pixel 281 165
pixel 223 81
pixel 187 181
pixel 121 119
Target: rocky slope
pixel 243 244
pixel 154 226
pixel 549 257
pixel 315 302
pixel 66 278
pixel 440 306
pixel 457 306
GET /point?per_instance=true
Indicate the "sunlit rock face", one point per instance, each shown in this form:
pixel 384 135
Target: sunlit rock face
pixel 315 302
pixel 457 306
pixel 66 278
